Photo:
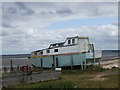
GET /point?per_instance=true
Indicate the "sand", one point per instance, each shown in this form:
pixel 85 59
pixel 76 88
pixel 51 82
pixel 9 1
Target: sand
pixel 110 63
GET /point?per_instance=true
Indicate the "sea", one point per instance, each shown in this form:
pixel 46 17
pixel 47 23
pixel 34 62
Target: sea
pixel 22 59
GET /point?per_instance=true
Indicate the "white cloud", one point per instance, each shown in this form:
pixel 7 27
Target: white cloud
pixel 39 39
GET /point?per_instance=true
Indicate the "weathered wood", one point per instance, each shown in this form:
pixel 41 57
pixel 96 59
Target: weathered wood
pixel 35 77
pixel 11 66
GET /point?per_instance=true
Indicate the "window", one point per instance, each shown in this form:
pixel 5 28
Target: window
pixel 41 52
pixel 73 41
pixel 69 41
pixel 54 44
pixel 35 53
pixel 55 50
pixel 48 51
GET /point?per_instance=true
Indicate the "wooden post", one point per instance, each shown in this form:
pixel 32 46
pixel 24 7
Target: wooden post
pixel 71 62
pixel 99 62
pixel 5 69
pixel 53 64
pixel 81 65
pixel 57 64
pixel 11 66
pixel 41 64
pixel 85 64
pixel 18 68
pixel 93 53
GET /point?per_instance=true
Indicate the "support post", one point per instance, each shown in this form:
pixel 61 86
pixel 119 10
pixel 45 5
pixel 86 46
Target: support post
pixel 71 62
pixel 5 69
pixel 18 68
pixel 85 64
pixel 53 65
pixel 81 65
pixel 93 53
pixel 99 62
pixel 11 66
pixel 41 63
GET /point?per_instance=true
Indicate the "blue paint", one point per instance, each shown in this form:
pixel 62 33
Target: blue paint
pixel 64 60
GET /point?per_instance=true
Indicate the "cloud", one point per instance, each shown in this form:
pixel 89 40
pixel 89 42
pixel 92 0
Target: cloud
pixel 102 36
pixel 7 25
pixel 13 9
pixel 59 11
pixel 24 24
pixel 64 11
pixel 24 10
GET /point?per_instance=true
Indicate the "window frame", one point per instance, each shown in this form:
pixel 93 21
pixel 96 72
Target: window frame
pixel 41 52
pixel 73 41
pixel 69 41
pixel 48 51
pixel 55 50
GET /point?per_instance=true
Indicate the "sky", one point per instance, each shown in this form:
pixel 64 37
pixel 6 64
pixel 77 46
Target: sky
pixel 30 26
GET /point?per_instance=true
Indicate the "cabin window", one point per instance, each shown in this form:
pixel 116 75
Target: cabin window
pixel 35 53
pixel 73 41
pixel 41 52
pixel 69 41
pixel 54 44
pixel 48 51
pixel 55 50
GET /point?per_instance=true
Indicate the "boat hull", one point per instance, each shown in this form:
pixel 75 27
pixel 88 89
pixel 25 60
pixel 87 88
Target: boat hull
pixel 53 61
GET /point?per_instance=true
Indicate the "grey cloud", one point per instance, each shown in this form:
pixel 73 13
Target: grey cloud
pixel 95 12
pixel 64 11
pixel 59 11
pixel 6 25
pixel 5 16
pixel 24 10
pixel 115 23
pixel 15 41
pixel 12 10
pixel 4 33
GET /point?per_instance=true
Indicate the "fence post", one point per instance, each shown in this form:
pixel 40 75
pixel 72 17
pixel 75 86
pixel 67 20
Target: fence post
pixel 5 69
pixel 11 66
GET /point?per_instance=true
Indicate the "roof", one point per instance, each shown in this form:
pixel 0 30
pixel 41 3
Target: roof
pixel 82 37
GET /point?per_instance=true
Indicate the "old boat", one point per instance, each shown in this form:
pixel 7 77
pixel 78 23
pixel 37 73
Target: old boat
pixel 75 51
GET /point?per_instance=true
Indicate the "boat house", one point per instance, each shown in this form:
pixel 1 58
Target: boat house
pixel 74 51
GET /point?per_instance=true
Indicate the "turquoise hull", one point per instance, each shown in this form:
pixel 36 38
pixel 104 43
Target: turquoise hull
pixel 64 60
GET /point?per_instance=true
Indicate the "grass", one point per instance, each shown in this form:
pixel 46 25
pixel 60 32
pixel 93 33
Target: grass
pixel 7 74
pixel 90 70
pixel 80 79
pixel 52 84
pixel 84 82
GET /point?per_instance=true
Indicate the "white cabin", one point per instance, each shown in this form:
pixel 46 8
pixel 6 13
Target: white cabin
pixel 71 45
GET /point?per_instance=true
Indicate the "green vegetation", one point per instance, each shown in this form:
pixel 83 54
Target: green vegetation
pixel 94 77
pixel 7 74
pixel 50 84
pixel 90 70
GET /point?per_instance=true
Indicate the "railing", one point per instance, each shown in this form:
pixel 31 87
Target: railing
pixel 98 54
